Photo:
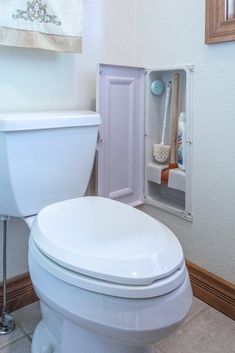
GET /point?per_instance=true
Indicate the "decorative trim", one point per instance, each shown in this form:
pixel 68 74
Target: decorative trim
pixel 19 292
pixel 36 11
pixel 30 39
pixel 212 289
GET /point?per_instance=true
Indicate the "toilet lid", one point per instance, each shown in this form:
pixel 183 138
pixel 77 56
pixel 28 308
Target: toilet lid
pixel 107 240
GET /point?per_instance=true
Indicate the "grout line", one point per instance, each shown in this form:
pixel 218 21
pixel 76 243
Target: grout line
pixel 28 335
pixel 182 328
pixel 184 325
pixel 13 340
pixel 158 349
pixel 7 345
pixel 22 329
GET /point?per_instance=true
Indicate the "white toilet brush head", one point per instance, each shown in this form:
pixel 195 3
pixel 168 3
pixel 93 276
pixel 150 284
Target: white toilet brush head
pixel 161 153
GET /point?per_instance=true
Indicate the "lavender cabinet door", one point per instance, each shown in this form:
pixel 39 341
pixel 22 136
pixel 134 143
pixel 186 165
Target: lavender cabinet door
pixel 120 102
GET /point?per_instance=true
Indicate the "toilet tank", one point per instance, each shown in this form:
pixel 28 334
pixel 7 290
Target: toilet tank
pixel 45 157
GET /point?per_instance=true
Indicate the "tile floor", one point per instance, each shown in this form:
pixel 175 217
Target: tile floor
pixel 204 331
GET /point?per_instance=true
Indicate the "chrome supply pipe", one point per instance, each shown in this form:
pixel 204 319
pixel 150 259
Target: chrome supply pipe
pixel 7 323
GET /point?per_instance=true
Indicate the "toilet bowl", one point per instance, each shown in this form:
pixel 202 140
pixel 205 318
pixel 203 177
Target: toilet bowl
pixel 109 277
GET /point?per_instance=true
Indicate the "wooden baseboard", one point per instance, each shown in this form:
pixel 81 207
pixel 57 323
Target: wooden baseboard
pixel 212 289
pixel 208 287
pixel 19 292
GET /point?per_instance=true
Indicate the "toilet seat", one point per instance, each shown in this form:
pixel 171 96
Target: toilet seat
pixel 158 288
pixel 119 246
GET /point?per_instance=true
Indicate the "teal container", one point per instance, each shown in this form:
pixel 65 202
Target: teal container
pixel 157 87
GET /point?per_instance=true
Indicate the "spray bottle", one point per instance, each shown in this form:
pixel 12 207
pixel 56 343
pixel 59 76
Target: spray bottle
pixel 181 141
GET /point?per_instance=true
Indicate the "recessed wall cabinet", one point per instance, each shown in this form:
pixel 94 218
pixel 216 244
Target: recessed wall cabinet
pixel 132 120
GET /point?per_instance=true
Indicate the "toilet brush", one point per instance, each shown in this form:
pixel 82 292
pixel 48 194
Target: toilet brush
pixel 161 152
pixel 175 115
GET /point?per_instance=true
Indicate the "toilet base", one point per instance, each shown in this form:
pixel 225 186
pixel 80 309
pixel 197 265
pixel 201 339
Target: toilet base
pixel 79 342
pixel 76 320
pixel 41 339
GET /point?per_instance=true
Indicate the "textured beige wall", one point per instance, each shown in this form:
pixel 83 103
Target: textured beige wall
pixel 171 33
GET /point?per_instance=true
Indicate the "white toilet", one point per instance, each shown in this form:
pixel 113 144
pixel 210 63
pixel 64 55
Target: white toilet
pixel 110 278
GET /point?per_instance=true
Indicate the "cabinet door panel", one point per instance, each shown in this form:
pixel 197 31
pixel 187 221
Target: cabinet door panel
pixel 121 144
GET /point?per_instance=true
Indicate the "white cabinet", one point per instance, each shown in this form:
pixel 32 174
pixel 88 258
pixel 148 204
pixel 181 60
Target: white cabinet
pixel 132 119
